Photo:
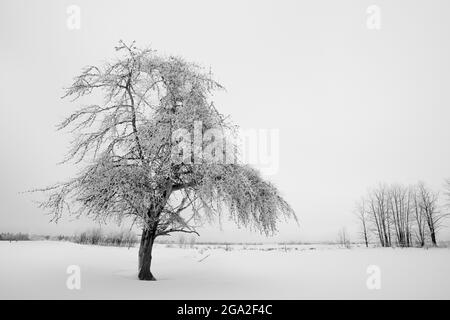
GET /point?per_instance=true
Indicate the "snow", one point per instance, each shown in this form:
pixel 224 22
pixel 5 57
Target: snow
pixel 38 270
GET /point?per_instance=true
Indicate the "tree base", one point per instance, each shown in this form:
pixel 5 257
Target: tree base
pixel 145 256
pixel 146 276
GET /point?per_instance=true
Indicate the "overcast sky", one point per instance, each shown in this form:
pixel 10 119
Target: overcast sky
pixel 354 106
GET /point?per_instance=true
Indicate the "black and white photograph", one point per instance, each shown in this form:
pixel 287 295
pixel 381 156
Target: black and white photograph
pixel 225 150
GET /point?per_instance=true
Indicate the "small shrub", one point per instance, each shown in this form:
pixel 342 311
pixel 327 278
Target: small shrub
pixel 182 241
pixel 192 242
pixel 97 237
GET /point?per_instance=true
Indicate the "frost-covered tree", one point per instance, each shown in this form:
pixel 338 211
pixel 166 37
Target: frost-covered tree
pixel 129 146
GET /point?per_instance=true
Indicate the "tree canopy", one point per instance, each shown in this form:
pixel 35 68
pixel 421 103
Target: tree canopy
pixel 133 164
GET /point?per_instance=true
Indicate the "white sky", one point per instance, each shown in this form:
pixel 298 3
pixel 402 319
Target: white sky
pixel 354 107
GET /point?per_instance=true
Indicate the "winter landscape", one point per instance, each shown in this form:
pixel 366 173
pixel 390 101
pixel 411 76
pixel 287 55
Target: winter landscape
pixel 224 149
pixel 38 270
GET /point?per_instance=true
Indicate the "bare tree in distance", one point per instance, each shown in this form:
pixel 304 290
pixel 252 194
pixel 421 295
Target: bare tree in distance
pixel 399 199
pixel 396 213
pixel 419 217
pixel 126 143
pixel 378 208
pixel 343 239
pixel 362 215
pixel 447 196
pixel 433 217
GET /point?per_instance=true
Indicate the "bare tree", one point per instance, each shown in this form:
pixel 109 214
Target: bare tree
pixel 362 215
pixel 130 147
pixel 419 216
pixel 343 238
pixel 182 241
pixel 192 241
pixel 429 204
pixel 378 208
pixel 396 213
pixel 399 199
pixel 447 195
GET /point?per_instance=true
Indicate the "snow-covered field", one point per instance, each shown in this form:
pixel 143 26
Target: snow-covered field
pixel 38 270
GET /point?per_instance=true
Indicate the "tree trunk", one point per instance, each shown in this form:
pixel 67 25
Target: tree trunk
pixel 145 255
pixel 433 237
pixel 365 239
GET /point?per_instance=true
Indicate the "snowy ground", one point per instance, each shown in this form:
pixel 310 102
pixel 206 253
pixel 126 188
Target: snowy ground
pixel 37 269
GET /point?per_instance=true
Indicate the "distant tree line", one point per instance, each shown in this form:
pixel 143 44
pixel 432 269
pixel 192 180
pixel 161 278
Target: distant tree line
pixel 98 237
pixel 95 236
pixel 14 237
pixel 398 215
